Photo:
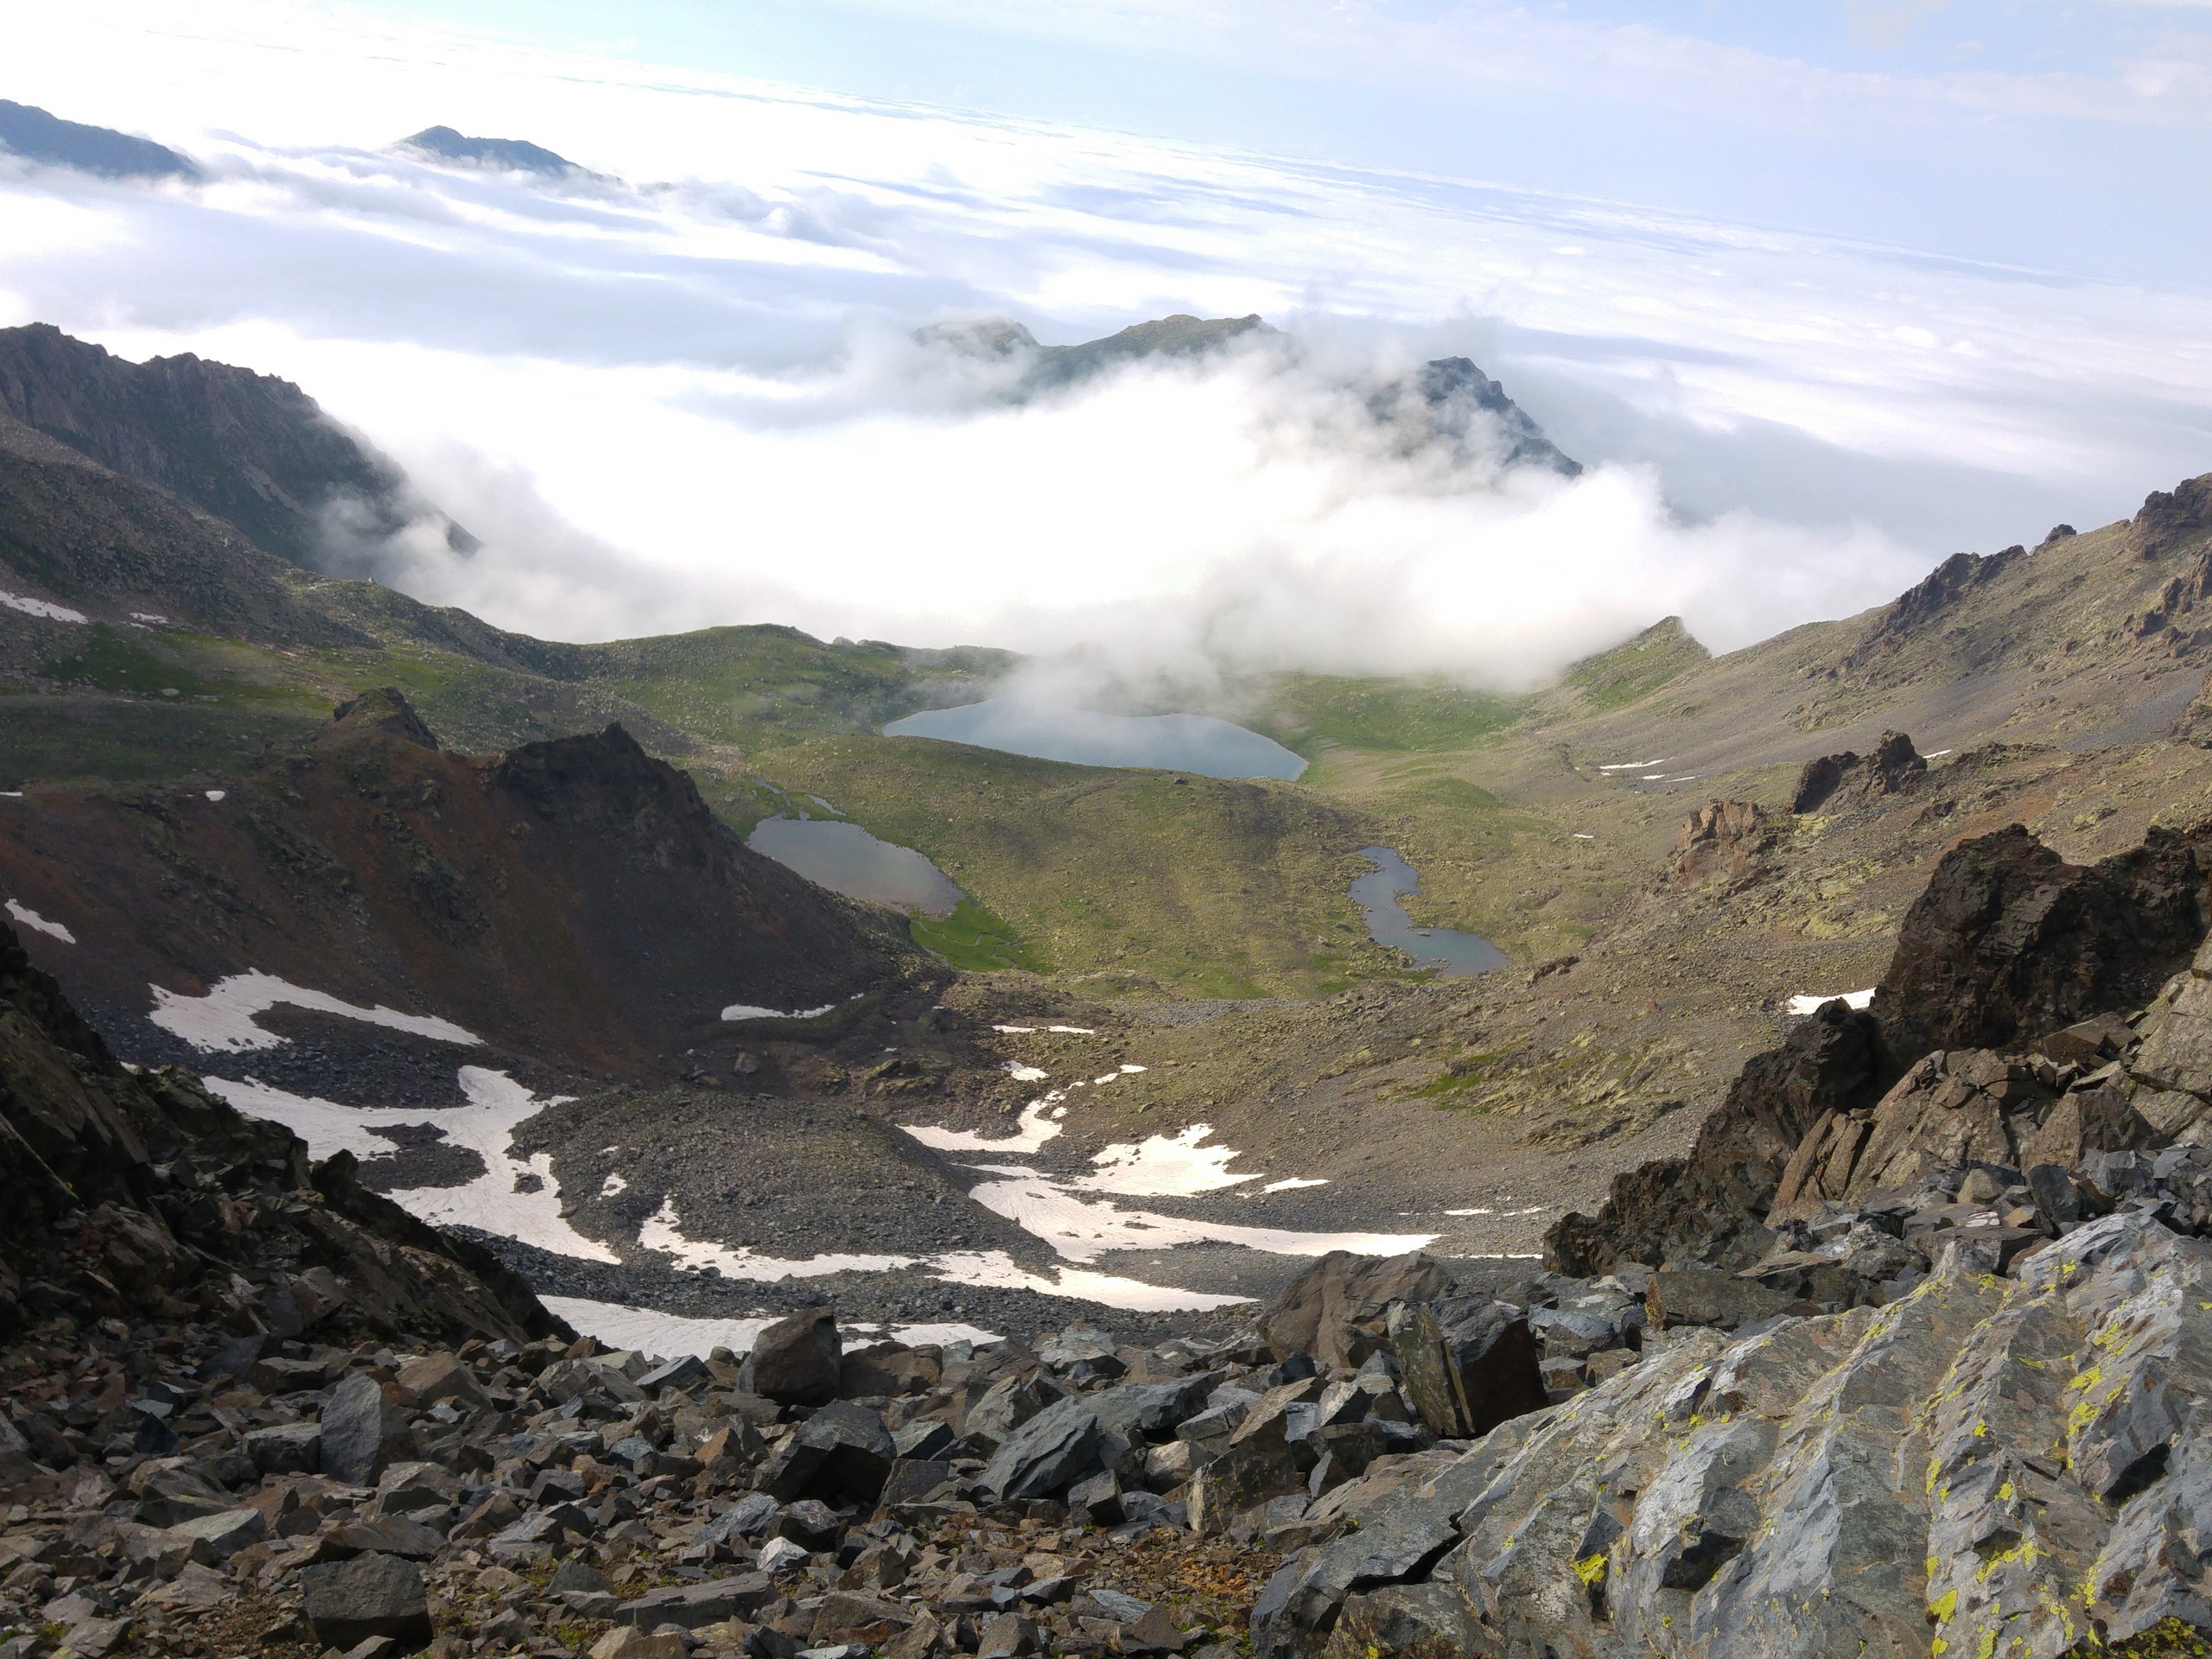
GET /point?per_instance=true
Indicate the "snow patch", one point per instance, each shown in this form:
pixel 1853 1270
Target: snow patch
pixel 663 1232
pixel 1636 765
pixel 1021 1073
pixel 513 1198
pixel 154 616
pixel 1292 1184
pixel 664 1336
pixel 216 794
pixel 1164 1166
pixel 747 1011
pixel 612 1186
pixel 1810 1004
pixel 223 1019
pixel 1082 1231
pixel 661 1335
pixel 1036 1128
pixel 31 919
pixel 997 1270
pixel 45 607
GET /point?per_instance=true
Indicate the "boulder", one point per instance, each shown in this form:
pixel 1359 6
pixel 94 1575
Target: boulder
pixel 797 1361
pixel 1469 1365
pixel 1044 1455
pixel 2089 1120
pixel 212 1539
pixel 695 1606
pixel 885 1369
pixel 432 1377
pixel 1249 1472
pixel 1680 1296
pixel 2009 941
pixel 363 1433
pixel 1153 1410
pixel 1006 1405
pixel 1336 1309
pixel 286 1448
pixel 1722 839
pixel 841 1451
pixel 349 1602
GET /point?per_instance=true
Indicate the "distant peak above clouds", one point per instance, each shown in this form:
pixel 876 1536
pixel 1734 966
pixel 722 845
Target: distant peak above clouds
pixel 1447 401
pixel 32 134
pixel 498 155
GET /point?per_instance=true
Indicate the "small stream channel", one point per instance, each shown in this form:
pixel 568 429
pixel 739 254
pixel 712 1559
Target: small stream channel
pixel 1377 895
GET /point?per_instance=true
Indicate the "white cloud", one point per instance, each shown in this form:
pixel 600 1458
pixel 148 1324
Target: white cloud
pixel 693 397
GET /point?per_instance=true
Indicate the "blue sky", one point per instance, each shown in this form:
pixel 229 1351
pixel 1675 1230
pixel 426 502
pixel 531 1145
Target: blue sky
pixel 1818 294
pixel 2065 135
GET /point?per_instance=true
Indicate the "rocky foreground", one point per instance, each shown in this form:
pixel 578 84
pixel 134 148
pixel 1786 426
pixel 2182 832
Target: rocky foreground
pixel 1912 1355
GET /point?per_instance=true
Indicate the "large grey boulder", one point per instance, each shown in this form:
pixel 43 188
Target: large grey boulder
pixel 1048 1452
pixel 363 1433
pixel 695 1606
pixel 842 1451
pixel 1336 1309
pixel 1469 1365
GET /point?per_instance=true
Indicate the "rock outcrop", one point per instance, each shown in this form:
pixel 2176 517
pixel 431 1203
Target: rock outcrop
pixel 1995 1464
pixel 1698 1203
pixel 2007 943
pixel 2009 940
pixel 1836 780
pixel 1721 841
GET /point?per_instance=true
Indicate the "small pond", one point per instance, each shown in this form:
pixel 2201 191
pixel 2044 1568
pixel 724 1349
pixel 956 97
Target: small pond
pixel 1377 895
pixel 1199 743
pixel 845 858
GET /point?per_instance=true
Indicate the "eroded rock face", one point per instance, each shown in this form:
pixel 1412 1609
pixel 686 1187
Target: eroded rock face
pixel 2009 1465
pixel 1836 780
pixel 1722 839
pixel 2010 941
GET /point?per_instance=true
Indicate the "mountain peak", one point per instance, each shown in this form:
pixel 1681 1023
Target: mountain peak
pixel 32 133
pixel 498 155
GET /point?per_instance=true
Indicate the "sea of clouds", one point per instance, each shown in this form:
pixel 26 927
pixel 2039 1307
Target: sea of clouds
pixel 686 388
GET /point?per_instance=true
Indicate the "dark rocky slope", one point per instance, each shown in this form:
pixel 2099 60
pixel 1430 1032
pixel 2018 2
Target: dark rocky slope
pixel 137 1196
pixel 250 448
pixel 574 901
pixel 74 532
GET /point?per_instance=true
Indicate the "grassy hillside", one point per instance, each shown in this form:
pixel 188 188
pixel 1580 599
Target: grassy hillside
pixel 1205 887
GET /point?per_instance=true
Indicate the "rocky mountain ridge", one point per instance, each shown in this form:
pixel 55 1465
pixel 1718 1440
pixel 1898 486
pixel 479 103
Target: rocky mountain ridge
pixel 250 448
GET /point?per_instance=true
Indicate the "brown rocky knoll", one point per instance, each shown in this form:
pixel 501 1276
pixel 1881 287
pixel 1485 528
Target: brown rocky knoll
pixel 574 901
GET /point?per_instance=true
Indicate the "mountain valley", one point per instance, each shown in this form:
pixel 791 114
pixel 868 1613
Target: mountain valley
pixel 419 974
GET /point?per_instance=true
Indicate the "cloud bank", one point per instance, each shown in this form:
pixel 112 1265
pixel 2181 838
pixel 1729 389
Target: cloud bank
pixel 688 391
